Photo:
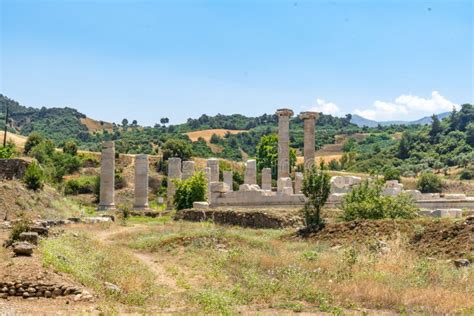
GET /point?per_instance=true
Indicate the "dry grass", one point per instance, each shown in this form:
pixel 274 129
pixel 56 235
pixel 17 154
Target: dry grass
pixel 19 140
pixel 207 134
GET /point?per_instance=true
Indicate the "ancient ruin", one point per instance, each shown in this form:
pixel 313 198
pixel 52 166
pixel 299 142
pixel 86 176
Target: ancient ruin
pixel 107 177
pixel 141 182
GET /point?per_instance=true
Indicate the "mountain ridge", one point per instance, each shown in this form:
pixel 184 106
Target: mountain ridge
pixel 362 121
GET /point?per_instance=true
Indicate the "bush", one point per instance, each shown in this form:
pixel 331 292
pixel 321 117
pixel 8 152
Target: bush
pixel 190 190
pixel 429 183
pixel 466 174
pixel 391 174
pixel 23 225
pixel 366 202
pixel 32 140
pixel 83 185
pixel 34 177
pixel 8 151
pixel 316 187
pixel 70 148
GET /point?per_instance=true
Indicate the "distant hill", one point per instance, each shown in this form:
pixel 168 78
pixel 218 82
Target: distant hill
pixel 362 121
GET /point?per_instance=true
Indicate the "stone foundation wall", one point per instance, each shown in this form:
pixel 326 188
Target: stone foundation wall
pixel 12 168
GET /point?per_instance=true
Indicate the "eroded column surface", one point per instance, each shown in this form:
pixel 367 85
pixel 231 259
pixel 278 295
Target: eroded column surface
pixel 228 179
pixel 188 169
pixel 309 120
pixel 141 182
pixel 284 142
pixel 107 177
pixel 213 163
pixel 174 173
pixel 208 173
pixel 267 179
pixel 298 182
pixel 250 176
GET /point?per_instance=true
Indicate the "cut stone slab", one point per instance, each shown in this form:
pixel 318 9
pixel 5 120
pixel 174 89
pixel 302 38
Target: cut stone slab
pixel 201 205
pixel 30 237
pixel 23 248
pixel 219 187
pixel 451 212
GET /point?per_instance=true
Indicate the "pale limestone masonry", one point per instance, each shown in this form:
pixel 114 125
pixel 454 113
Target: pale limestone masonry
pixel 309 120
pixel 107 177
pixel 298 182
pixel 207 171
pixel 343 184
pixel 284 142
pixel 228 179
pixel 188 169
pixel 213 163
pixel 141 182
pixel 250 176
pixel 285 186
pixel 174 173
pixel 267 179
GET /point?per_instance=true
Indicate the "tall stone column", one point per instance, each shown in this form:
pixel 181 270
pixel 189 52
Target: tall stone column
pixel 284 142
pixel 228 179
pixel 107 177
pixel 213 163
pixel 188 169
pixel 267 179
pixel 174 173
pixel 208 173
pixel 309 119
pixel 250 176
pixel 141 182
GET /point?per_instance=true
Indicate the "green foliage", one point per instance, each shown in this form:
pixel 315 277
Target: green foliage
pixel 33 140
pixel 70 148
pixel 190 190
pixel 365 201
pixel 82 185
pixel 177 148
pixel 470 134
pixel 334 165
pixel 429 183
pixel 349 145
pixel 21 226
pixel 316 187
pixel 267 154
pixel 466 174
pixel 34 177
pixel 215 139
pixel 391 174
pixel 8 151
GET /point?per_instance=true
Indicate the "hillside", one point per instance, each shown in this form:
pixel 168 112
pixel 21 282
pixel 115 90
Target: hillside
pixel 362 121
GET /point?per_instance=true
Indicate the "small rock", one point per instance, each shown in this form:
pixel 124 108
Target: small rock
pixel 460 263
pixel 43 231
pixel 77 297
pixel 4 295
pixel 57 292
pixel 47 294
pixel 23 248
pixel 112 287
pixel 26 295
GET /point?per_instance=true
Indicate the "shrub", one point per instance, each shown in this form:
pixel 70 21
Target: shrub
pixel 466 174
pixel 34 177
pixel 429 183
pixel 81 185
pixel 366 202
pixel 32 140
pixel 190 190
pixel 391 174
pixel 316 187
pixel 70 148
pixel 8 151
pixel 21 226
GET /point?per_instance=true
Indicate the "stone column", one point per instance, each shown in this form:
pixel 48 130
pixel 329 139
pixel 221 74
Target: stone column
pixel 267 179
pixel 174 173
pixel 298 182
pixel 213 163
pixel 141 182
pixel 309 119
pixel 284 142
pixel 250 176
pixel 208 172
pixel 228 179
pixel 107 176
pixel 188 169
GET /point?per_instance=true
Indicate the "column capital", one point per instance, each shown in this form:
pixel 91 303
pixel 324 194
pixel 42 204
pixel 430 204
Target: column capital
pixel 284 112
pixel 309 115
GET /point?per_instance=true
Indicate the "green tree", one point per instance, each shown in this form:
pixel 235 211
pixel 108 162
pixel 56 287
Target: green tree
pixel 316 188
pixel 429 183
pixel 391 174
pixel 34 177
pixel 470 134
pixel 177 148
pixel 190 190
pixel 70 148
pixel 32 140
pixel 436 127
pixel 349 145
pixel 267 154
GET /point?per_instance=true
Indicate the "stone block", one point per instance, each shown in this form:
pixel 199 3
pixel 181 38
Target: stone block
pixel 200 205
pixel 228 179
pixel 343 184
pixel 250 176
pixel 219 187
pixel 298 182
pixel 213 163
pixel 451 212
pixel 188 169
pixel 458 196
pixel 267 179
pixel 30 237
pixel 285 185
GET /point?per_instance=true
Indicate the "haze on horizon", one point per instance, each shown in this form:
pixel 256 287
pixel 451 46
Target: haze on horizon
pixel 384 60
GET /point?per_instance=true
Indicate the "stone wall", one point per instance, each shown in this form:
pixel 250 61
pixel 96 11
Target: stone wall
pixel 28 289
pixel 12 168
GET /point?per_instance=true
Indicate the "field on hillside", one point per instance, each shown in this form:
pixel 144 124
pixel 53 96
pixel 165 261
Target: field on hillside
pixel 207 134
pixel 19 140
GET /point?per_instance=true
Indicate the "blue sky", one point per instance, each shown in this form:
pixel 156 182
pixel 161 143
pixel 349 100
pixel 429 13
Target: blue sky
pixel 145 60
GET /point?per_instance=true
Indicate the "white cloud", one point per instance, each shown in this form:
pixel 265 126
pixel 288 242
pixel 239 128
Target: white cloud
pixel 406 107
pixel 326 107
